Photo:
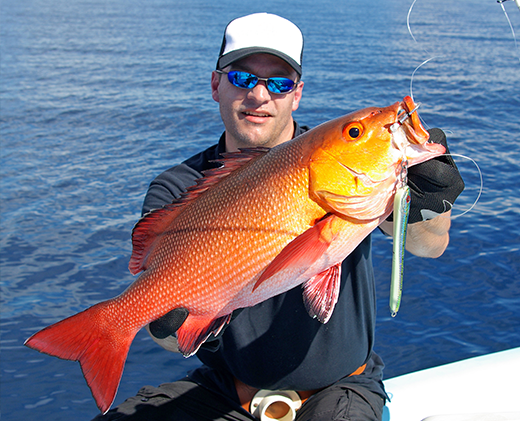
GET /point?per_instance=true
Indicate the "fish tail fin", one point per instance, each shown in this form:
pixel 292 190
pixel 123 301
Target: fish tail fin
pixel 97 341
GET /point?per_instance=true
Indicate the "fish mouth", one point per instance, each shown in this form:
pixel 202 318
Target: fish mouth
pixel 416 144
pixel 408 119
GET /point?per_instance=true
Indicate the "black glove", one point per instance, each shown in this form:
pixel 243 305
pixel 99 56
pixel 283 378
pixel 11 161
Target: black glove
pixel 163 330
pixel 434 184
pixel 169 323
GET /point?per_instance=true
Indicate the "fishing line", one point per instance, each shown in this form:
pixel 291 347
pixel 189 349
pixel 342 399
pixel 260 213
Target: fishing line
pixel 426 51
pixel 481 183
pixel 411 86
pixel 408 21
pixel 501 2
pixel 411 96
pixel 413 74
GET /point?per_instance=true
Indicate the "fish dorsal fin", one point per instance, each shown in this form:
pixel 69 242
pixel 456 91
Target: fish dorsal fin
pixel 234 160
pixel 231 161
pixel 152 225
pixel 146 232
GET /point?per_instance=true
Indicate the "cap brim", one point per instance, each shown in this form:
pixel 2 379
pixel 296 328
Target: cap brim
pixel 236 55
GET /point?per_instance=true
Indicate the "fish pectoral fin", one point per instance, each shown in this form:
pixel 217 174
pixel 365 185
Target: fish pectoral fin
pixel 303 251
pixel 196 330
pixel 321 292
pixel 169 323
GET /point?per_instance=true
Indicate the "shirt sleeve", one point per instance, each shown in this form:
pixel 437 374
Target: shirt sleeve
pixel 169 186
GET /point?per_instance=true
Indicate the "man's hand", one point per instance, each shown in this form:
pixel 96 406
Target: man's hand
pixel 169 323
pixel 434 186
pixel 426 238
pixel 163 329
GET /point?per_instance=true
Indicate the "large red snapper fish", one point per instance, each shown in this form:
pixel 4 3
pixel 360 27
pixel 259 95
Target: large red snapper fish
pixel 263 223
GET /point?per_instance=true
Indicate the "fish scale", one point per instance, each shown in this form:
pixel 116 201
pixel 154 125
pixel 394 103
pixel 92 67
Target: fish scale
pixel 265 222
pixel 254 222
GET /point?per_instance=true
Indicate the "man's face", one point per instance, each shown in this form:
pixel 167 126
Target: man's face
pixel 256 117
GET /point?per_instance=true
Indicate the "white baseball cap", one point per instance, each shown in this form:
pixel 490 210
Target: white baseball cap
pixel 262 33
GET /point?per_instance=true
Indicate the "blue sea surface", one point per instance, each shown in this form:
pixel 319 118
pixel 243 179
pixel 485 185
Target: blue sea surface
pixel 98 97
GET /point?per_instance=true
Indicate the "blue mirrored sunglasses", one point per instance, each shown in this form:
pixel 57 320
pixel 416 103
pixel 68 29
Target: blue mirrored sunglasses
pixel 244 80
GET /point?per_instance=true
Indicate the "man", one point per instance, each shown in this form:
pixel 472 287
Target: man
pixel 276 345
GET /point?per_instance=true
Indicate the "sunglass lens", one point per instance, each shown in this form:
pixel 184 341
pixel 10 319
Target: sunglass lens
pixel 277 85
pixel 280 85
pixel 242 79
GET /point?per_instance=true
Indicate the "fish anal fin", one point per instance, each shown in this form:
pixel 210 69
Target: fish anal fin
pixel 196 330
pixel 321 292
pixel 303 251
pixel 96 342
pixel 152 225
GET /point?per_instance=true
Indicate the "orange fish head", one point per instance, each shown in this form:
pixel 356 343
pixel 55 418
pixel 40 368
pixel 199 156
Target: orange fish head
pixel 357 158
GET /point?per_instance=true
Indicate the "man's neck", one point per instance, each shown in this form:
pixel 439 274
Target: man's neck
pixel 233 145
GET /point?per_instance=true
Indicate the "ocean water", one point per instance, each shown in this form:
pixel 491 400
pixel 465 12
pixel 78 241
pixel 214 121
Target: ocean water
pixel 98 97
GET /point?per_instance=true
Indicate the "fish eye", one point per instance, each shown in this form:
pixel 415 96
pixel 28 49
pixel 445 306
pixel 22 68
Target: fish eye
pixel 352 131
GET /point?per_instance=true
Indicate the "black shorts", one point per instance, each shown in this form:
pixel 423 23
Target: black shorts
pixel 185 400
